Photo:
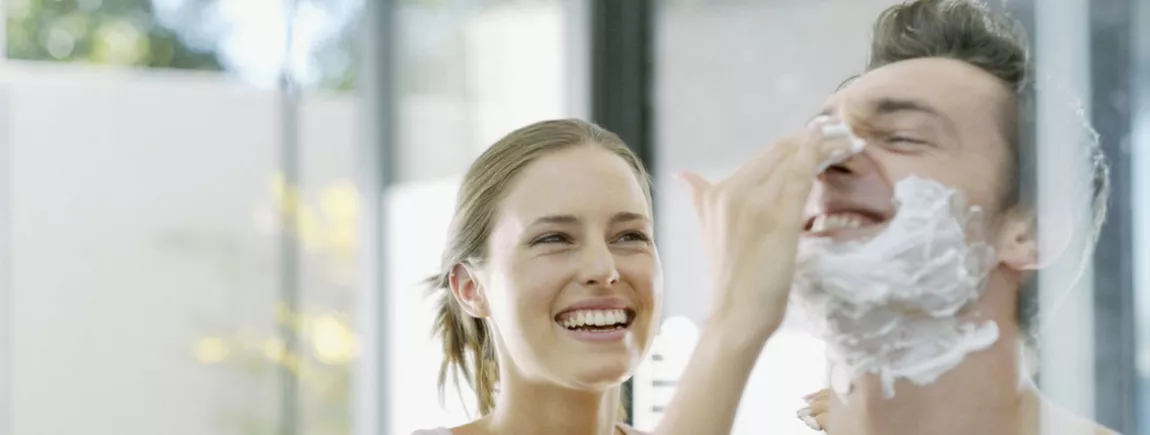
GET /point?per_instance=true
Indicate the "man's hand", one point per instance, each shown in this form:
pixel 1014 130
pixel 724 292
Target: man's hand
pixel 817 411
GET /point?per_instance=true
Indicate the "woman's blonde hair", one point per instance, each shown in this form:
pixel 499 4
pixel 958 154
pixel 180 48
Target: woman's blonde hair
pixel 468 346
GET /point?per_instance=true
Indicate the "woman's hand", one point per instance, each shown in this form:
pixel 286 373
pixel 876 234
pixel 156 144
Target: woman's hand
pixel 817 411
pixel 751 224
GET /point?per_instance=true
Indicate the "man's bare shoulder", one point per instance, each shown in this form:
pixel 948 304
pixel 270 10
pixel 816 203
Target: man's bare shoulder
pixel 1057 420
pixel 1102 430
pixel 632 431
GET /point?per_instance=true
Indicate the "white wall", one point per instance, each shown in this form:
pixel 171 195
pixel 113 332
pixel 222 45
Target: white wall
pixel 139 221
pixel 132 199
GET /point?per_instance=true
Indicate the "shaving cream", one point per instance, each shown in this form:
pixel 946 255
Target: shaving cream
pixel 832 129
pixel 896 305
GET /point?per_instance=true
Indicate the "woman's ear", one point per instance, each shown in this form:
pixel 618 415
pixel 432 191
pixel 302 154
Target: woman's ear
pixel 468 290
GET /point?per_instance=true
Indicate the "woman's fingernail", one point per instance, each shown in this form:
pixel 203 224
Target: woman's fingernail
pixel 818 122
pixel 835 157
pixel 836 130
pixel 810 398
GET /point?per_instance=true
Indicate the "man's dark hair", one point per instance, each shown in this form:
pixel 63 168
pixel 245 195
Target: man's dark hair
pixel 970 32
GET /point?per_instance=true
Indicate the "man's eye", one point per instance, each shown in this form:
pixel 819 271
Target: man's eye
pixel 905 143
pixel 905 140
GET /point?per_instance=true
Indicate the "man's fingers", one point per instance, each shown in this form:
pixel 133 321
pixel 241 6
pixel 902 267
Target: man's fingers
pixel 820 406
pixel 817 413
pixel 818 395
pixel 809 419
pixel 822 421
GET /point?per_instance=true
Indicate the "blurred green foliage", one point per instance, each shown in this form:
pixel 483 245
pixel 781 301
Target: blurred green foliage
pixel 129 33
pixel 108 32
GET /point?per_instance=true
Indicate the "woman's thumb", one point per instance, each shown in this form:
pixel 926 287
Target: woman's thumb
pixel 695 184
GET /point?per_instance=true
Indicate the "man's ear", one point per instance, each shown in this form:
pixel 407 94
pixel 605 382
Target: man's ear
pixel 1029 242
pixel 468 290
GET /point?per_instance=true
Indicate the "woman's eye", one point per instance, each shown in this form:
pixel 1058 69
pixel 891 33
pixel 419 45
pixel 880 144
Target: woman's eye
pixel 551 238
pixel 634 236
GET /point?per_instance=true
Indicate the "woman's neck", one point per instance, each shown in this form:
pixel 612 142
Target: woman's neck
pixel 524 406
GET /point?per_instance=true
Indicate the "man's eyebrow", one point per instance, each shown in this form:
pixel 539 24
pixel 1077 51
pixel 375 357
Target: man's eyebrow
pixel 891 105
pixel 888 105
pixel 847 82
pixel 828 111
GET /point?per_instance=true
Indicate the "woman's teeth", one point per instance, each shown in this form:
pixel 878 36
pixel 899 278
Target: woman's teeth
pixel 827 222
pixel 594 318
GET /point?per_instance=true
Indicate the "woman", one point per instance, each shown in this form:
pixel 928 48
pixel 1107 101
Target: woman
pixel 551 287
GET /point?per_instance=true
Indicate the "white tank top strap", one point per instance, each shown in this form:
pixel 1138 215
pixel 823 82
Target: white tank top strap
pixel 437 431
pixel 444 431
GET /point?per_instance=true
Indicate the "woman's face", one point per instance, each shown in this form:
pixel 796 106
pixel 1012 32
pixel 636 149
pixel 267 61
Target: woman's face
pixel 572 283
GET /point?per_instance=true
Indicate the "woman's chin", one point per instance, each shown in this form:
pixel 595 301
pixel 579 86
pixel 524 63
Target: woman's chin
pixel 600 373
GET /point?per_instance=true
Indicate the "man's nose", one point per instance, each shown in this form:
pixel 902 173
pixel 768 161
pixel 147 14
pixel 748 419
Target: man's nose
pixel 854 167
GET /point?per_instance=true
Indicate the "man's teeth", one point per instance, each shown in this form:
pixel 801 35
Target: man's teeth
pixel 827 222
pixel 595 318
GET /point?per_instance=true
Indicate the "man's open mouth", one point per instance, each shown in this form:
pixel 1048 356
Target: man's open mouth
pixel 844 224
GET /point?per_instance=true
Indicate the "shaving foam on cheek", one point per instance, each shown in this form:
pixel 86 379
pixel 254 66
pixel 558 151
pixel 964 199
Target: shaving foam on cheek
pixel 892 306
pixel 832 129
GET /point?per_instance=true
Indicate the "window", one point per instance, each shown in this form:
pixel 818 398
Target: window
pixel 470 72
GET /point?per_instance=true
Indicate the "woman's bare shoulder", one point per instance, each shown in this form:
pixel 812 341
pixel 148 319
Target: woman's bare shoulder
pixel 1101 430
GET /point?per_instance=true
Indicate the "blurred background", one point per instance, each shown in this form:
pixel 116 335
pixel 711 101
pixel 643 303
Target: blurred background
pixel 215 213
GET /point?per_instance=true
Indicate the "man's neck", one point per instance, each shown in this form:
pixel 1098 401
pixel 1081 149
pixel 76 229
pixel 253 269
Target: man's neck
pixel 982 395
pixel 524 407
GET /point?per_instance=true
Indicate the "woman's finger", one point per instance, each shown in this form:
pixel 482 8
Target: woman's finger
pixel 745 176
pixel 698 186
pixel 814 138
pixel 788 188
pixel 762 168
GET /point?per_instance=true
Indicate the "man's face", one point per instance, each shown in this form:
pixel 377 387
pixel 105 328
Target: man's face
pixel 933 117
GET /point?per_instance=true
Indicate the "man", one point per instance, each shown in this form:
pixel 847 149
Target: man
pixel 946 95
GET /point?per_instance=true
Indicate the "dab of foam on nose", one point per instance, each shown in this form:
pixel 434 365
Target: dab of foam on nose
pixel 594 318
pixel 836 130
